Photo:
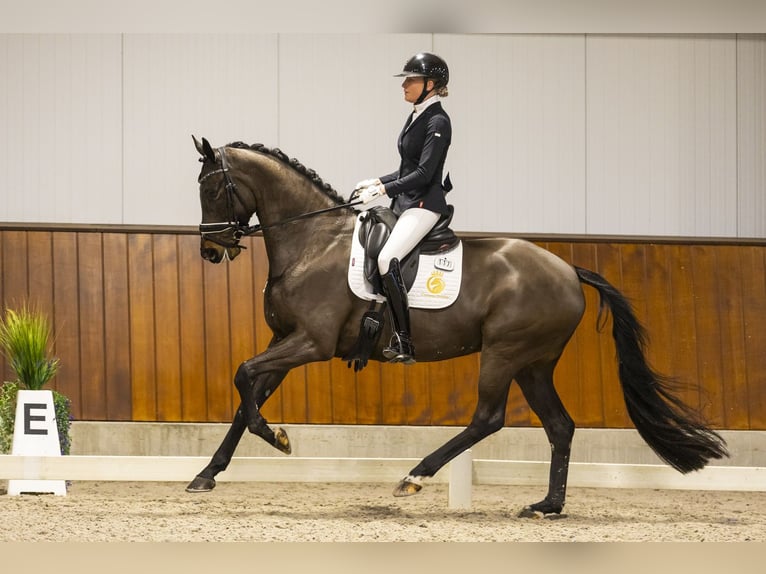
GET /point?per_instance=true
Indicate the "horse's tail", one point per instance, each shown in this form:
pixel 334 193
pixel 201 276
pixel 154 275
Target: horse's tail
pixel 673 430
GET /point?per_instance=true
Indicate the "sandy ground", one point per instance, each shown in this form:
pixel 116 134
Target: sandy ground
pixel 338 512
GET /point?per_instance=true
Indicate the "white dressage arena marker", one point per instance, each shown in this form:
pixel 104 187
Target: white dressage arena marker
pixel 35 434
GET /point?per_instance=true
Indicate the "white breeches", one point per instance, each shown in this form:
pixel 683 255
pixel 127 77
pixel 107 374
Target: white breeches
pixel 412 226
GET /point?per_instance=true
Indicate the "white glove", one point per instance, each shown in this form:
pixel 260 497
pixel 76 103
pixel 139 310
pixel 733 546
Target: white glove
pixel 366 183
pixel 371 192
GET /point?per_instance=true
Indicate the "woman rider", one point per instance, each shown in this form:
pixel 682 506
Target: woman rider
pixel 416 189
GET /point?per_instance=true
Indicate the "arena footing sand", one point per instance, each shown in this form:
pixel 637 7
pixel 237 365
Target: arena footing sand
pixel 340 512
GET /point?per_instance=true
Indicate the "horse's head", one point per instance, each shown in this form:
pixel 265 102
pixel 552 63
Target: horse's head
pixel 224 216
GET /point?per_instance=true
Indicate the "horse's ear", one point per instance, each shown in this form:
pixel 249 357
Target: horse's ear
pixel 204 149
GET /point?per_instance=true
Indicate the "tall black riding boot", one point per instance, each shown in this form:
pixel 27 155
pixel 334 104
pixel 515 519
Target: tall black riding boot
pixel 400 350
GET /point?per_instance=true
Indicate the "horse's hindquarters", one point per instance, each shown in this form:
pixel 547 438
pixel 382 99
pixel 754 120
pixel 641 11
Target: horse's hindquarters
pixel 514 295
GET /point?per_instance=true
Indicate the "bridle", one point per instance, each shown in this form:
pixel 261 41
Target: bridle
pixel 212 231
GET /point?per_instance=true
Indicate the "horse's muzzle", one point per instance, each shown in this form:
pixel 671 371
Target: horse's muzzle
pixel 216 252
pixel 211 254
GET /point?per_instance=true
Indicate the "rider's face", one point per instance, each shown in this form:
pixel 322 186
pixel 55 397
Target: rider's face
pixel 413 87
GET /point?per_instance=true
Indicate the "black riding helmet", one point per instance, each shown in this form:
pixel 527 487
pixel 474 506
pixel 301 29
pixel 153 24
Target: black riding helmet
pixel 428 66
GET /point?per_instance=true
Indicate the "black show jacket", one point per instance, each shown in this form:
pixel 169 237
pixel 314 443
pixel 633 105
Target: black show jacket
pixel 423 146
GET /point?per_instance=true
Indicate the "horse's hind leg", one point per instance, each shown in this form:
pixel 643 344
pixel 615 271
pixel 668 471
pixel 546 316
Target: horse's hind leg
pixel 494 381
pixel 536 382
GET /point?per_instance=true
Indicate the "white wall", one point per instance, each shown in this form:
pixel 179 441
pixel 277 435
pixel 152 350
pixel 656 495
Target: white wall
pixel 565 133
pixel 662 135
pixel 60 128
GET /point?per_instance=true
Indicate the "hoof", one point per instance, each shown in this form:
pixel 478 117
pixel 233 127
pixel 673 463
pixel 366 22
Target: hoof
pixel 201 484
pixel 542 510
pixel 281 442
pixel 407 487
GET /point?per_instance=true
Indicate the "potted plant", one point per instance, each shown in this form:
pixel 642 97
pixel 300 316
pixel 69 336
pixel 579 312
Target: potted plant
pixel 25 340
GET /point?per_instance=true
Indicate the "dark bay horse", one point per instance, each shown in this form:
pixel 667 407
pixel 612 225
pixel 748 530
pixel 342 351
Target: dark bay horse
pixel 518 306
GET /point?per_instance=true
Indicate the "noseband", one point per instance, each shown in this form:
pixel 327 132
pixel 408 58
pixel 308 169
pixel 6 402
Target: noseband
pixel 211 231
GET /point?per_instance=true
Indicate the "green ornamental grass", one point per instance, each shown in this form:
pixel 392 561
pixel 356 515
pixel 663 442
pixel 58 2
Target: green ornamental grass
pixel 25 339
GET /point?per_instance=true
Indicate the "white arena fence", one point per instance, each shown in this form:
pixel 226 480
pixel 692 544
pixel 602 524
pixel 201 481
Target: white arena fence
pixel 461 473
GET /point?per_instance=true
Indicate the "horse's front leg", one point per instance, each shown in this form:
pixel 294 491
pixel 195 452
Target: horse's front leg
pixel 263 388
pixel 258 378
pixel 205 480
pixel 254 392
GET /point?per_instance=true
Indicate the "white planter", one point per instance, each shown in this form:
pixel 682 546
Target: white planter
pixel 35 434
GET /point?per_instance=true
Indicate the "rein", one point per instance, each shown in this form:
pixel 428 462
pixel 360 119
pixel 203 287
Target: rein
pixel 240 230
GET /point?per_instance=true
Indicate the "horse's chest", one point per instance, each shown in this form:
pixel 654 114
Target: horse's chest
pixel 281 310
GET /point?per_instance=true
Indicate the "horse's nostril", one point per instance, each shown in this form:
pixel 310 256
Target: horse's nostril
pixel 209 255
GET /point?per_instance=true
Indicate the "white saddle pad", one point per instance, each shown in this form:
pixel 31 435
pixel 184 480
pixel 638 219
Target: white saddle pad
pixel 436 286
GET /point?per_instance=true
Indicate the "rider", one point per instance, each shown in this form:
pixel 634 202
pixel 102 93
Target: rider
pixel 416 188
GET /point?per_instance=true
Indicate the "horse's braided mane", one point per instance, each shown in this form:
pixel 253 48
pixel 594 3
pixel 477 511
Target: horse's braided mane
pixel 295 164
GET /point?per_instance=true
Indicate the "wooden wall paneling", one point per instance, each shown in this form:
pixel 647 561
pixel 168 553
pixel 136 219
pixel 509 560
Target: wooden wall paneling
pixel 465 372
pixel 15 273
pixel 192 333
pixel 167 327
pixel 294 396
pixel 587 411
pixel 732 389
pixel 91 292
pixel 393 394
pixel 117 381
pixel 615 415
pixel 319 392
pixel 142 333
pixel 663 327
pixel 442 390
pixel 753 261
pixel 40 268
pixel 682 324
pixel 417 391
pixel 219 385
pixel 369 392
pixel 706 296
pixel 146 330
pixel 66 318
pixel 344 393
pixel 242 317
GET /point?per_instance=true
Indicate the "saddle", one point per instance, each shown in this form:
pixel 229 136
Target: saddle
pixel 375 230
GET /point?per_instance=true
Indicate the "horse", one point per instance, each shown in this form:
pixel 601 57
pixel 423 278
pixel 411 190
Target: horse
pixel 518 306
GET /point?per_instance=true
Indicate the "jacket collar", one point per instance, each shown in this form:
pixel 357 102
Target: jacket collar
pixel 420 108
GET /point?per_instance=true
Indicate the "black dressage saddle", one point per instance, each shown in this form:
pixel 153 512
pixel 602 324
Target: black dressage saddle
pixel 375 230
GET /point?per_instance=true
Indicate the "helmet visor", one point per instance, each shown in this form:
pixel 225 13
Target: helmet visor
pixel 411 75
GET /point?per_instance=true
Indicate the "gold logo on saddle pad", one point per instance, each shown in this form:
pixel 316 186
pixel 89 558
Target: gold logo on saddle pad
pixel 435 283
